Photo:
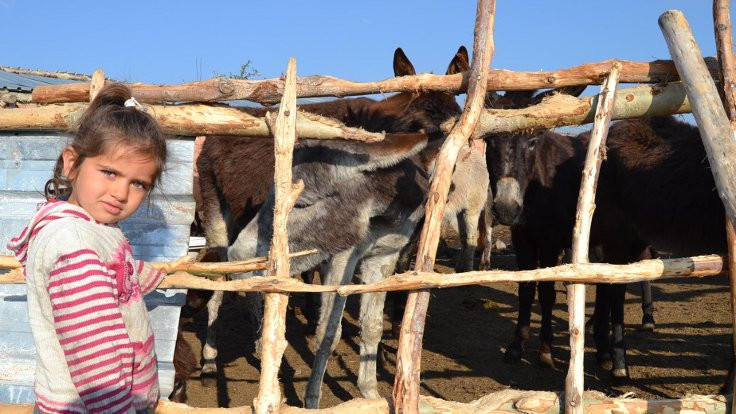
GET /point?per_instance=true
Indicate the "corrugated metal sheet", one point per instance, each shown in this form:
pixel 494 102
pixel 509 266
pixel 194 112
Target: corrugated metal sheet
pixel 158 231
pixel 25 83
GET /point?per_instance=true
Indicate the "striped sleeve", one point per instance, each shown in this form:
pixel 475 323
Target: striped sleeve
pixel 91 331
pixel 148 276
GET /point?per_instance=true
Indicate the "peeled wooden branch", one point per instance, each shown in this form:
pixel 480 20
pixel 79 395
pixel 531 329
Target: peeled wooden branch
pixel 724 47
pixel 696 266
pixel 257 263
pixel 715 129
pixel 274 314
pixel 574 382
pixel 408 356
pixel 506 401
pixel 268 91
pixel 189 120
pixel 562 110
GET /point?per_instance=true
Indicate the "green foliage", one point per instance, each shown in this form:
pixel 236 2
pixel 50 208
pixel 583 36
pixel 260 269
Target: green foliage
pixel 247 71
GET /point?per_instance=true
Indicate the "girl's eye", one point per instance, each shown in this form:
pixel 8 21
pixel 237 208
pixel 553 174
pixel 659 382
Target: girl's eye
pixel 108 173
pixel 140 185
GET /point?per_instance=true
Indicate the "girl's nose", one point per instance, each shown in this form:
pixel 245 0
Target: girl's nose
pixel 120 190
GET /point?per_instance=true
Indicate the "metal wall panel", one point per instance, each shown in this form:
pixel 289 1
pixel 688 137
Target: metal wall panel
pixel 158 231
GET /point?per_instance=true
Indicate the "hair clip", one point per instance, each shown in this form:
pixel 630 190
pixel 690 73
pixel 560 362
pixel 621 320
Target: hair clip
pixel 134 103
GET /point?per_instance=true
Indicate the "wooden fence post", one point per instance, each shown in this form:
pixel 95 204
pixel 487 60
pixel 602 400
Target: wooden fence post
pixel 406 383
pixel 715 129
pixel 286 193
pixel 574 383
pixel 727 64
pixel 97 83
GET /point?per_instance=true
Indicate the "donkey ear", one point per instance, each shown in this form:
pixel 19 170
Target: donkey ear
pixel 402 66
pixel 393 149
pixel 574 90
pixel 510 100
pixel 459 63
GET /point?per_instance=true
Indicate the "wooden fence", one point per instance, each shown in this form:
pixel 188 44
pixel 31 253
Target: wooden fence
pixel 696 91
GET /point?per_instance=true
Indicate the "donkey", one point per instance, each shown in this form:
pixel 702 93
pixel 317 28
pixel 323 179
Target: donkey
pixel 536 178
pixel 360 204
pixel 656 188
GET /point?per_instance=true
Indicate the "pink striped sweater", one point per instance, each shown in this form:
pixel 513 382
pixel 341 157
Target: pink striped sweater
pixel 89 322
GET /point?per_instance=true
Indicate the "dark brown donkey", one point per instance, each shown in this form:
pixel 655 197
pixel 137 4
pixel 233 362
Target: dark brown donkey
pixel 656 188
pixel 360 204
pixel 535 178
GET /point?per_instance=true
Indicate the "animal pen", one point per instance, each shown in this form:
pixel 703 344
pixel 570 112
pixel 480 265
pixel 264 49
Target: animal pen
pixel 696 91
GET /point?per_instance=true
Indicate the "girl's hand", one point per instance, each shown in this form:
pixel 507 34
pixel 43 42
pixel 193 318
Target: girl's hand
pixel 174 265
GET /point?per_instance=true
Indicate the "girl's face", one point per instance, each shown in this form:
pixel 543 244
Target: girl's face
pixel 111 186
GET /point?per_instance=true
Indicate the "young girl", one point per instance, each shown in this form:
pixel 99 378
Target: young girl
pixel 89 322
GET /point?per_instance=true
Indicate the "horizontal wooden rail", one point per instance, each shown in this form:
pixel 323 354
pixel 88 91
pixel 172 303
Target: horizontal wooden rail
pixel 268 91
pixel 501 402
pixel 188 120
pixel 696 266
pixel 563 110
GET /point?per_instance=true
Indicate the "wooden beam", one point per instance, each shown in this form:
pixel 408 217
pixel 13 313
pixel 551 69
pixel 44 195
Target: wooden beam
pixel 715 129
pixel 696 266
pixel 501 402
pixel 555 111
pixel 268 91
pixel 286 193
pixel 562 110
pixel 188 120
pixel 408 357
pixel 724 47
pixel 97 83
pixel 574 382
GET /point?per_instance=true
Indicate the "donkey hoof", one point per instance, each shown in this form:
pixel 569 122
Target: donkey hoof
pixel 371 394
pixel 208 380
pixel 396 329
pixel 647 324
pixel 311 402
pixel 620 373
pixel 513 352
pixel 589 326
pixel 604 360
pixel 545 356
pixel 545 360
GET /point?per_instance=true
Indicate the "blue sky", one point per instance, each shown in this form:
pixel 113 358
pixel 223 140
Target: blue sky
pixel 175 42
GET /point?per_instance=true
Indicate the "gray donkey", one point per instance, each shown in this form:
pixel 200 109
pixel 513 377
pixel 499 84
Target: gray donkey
pixel 360 204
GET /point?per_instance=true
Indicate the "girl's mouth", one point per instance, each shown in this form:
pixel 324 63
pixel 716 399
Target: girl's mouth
pixel 111 208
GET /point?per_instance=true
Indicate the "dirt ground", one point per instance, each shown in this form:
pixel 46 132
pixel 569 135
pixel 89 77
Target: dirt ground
pixel 467 330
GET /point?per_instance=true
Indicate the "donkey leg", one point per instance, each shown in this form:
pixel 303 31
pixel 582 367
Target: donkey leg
pixel 469 239
pixel 329 328
pixel 547 302
pixel 485 239
pixel 601 327
pixel 647 306
pixel 209 351
pixel 371 331
pixel 515 349
pixel 373 269
pixel 618 295
pixel 311 304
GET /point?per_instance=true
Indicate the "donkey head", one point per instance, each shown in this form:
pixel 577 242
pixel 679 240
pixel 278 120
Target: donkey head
pixel 511 156
pixel 510 160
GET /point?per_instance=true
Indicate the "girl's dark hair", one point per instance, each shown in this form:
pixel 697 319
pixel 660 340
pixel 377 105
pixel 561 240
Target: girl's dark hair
pixel 106 124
